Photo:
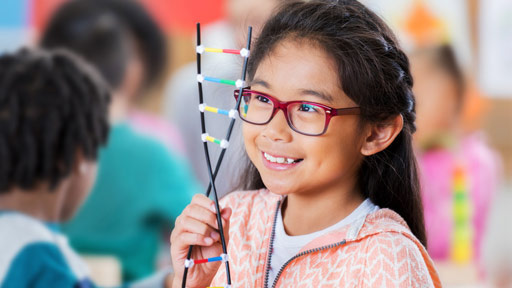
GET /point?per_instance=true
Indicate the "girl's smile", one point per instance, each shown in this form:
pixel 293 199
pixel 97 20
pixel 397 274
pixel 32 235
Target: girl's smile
pixel 274 162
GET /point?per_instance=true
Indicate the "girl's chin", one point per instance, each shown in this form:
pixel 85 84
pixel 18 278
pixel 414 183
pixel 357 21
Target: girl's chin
pixel 278 188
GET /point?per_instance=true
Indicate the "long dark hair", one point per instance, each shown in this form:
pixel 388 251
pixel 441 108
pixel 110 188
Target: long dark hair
pixel 374 72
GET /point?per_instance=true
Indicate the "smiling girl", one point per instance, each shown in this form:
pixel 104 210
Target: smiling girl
pixel 333 196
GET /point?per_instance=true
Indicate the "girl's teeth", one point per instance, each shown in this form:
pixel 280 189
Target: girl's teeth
pixel 280 160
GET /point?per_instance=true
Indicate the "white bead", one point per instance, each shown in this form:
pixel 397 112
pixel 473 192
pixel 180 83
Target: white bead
pixel 189 263
pixel 232 113
pixel 239 83
pixel 224 144
pixel 201 107
pixel 203 136
pixel 244 52
pixel 200 49
pixel 200 78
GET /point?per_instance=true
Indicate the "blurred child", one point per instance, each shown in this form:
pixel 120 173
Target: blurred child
pixel 182 100
pixel 328 123
pixel 150 52
pixel 142 186
pixel 459 172
pixel 53 120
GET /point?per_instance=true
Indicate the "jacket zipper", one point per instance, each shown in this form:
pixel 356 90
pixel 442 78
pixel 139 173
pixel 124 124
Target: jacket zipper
pixel 270 246
pixel 270 250
pixel 302 254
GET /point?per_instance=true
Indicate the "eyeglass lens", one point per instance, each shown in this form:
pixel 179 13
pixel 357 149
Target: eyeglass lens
pixel 303 117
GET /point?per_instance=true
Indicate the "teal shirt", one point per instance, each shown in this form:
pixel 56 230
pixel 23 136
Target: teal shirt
pixel 140 190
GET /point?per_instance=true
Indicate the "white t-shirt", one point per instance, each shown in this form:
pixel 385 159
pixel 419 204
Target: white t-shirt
pixel 285 246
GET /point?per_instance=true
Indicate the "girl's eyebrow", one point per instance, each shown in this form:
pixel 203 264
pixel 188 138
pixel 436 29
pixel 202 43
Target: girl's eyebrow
pixel 260 82
pixel 319 94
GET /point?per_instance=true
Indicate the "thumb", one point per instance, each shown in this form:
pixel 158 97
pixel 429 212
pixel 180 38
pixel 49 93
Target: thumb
pixel 226 215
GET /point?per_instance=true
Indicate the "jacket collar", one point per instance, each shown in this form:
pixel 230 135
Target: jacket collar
pixel 381 221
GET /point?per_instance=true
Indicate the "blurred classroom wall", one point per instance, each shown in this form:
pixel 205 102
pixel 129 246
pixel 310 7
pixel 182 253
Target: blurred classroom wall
pixel 497 121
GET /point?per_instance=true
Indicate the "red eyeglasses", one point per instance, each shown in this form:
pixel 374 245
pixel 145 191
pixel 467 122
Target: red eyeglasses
pixel 304 117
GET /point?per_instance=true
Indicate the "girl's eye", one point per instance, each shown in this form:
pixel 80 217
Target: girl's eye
pixel 308 108
pixel 262 99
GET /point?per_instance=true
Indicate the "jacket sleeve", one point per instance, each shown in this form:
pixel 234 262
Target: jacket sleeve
pixel 394 260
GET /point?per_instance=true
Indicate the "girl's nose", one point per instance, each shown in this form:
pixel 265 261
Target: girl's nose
pixel 277 129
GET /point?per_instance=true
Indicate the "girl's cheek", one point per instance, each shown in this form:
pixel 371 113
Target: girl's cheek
pixel 248 136
pixel 249 132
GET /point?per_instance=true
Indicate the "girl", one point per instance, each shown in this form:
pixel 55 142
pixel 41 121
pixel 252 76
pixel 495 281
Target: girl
pixel 334 198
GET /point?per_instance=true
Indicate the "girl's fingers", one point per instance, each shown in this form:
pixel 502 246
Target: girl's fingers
pixel 200 211
pixel 186 239
pixel 226 213
pixel 195 226
pixel 202 201
pixel 202 214
pixel 200 218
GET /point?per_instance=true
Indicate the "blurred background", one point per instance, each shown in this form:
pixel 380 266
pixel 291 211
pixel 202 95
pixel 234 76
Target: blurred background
pixel 461 59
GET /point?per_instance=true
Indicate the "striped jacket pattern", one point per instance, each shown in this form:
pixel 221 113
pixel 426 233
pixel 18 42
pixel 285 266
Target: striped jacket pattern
pixel 378 250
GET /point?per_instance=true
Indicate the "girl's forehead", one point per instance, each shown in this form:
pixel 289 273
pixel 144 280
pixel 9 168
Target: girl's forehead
pixel 300 65
pixel 299 61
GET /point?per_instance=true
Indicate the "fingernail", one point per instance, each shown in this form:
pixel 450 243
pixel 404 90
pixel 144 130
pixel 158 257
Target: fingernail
pixel 212 207
pixel 208 241
pixel 215 235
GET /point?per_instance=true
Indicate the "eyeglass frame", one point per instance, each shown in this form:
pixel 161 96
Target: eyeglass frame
pixel 283 105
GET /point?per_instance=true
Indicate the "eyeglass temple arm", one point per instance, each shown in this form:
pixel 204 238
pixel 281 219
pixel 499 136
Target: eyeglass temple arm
pixel 347 111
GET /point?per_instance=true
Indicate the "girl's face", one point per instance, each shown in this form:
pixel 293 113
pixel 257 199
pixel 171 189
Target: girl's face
pixel 301 70
pixel 436 101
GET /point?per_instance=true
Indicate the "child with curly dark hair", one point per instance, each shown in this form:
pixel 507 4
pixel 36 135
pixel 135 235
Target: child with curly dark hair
pixel 53 121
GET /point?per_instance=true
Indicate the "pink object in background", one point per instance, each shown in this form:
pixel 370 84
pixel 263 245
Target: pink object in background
pixel 483 168
pixel 159 129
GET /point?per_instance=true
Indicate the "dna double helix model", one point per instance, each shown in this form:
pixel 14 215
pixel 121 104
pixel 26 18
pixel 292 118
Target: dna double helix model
pixel 223 143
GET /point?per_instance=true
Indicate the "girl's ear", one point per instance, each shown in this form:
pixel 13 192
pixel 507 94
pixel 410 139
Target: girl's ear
pixel 380 136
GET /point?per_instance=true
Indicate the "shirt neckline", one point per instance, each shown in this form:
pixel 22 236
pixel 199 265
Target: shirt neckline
pixel 365 208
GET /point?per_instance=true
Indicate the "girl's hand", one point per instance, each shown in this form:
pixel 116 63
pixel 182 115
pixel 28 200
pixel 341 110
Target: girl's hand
pixel 197 226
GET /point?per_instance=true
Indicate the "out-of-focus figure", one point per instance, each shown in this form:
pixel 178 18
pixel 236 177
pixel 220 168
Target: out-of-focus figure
pixel 142 186
pixel 53 121
pixel 459 172
pixel 182 101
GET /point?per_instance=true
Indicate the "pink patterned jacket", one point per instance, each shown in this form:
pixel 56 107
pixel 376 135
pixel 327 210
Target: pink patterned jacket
pixel 376 251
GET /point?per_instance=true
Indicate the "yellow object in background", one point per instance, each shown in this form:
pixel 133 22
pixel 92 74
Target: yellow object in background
pixel 463 234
